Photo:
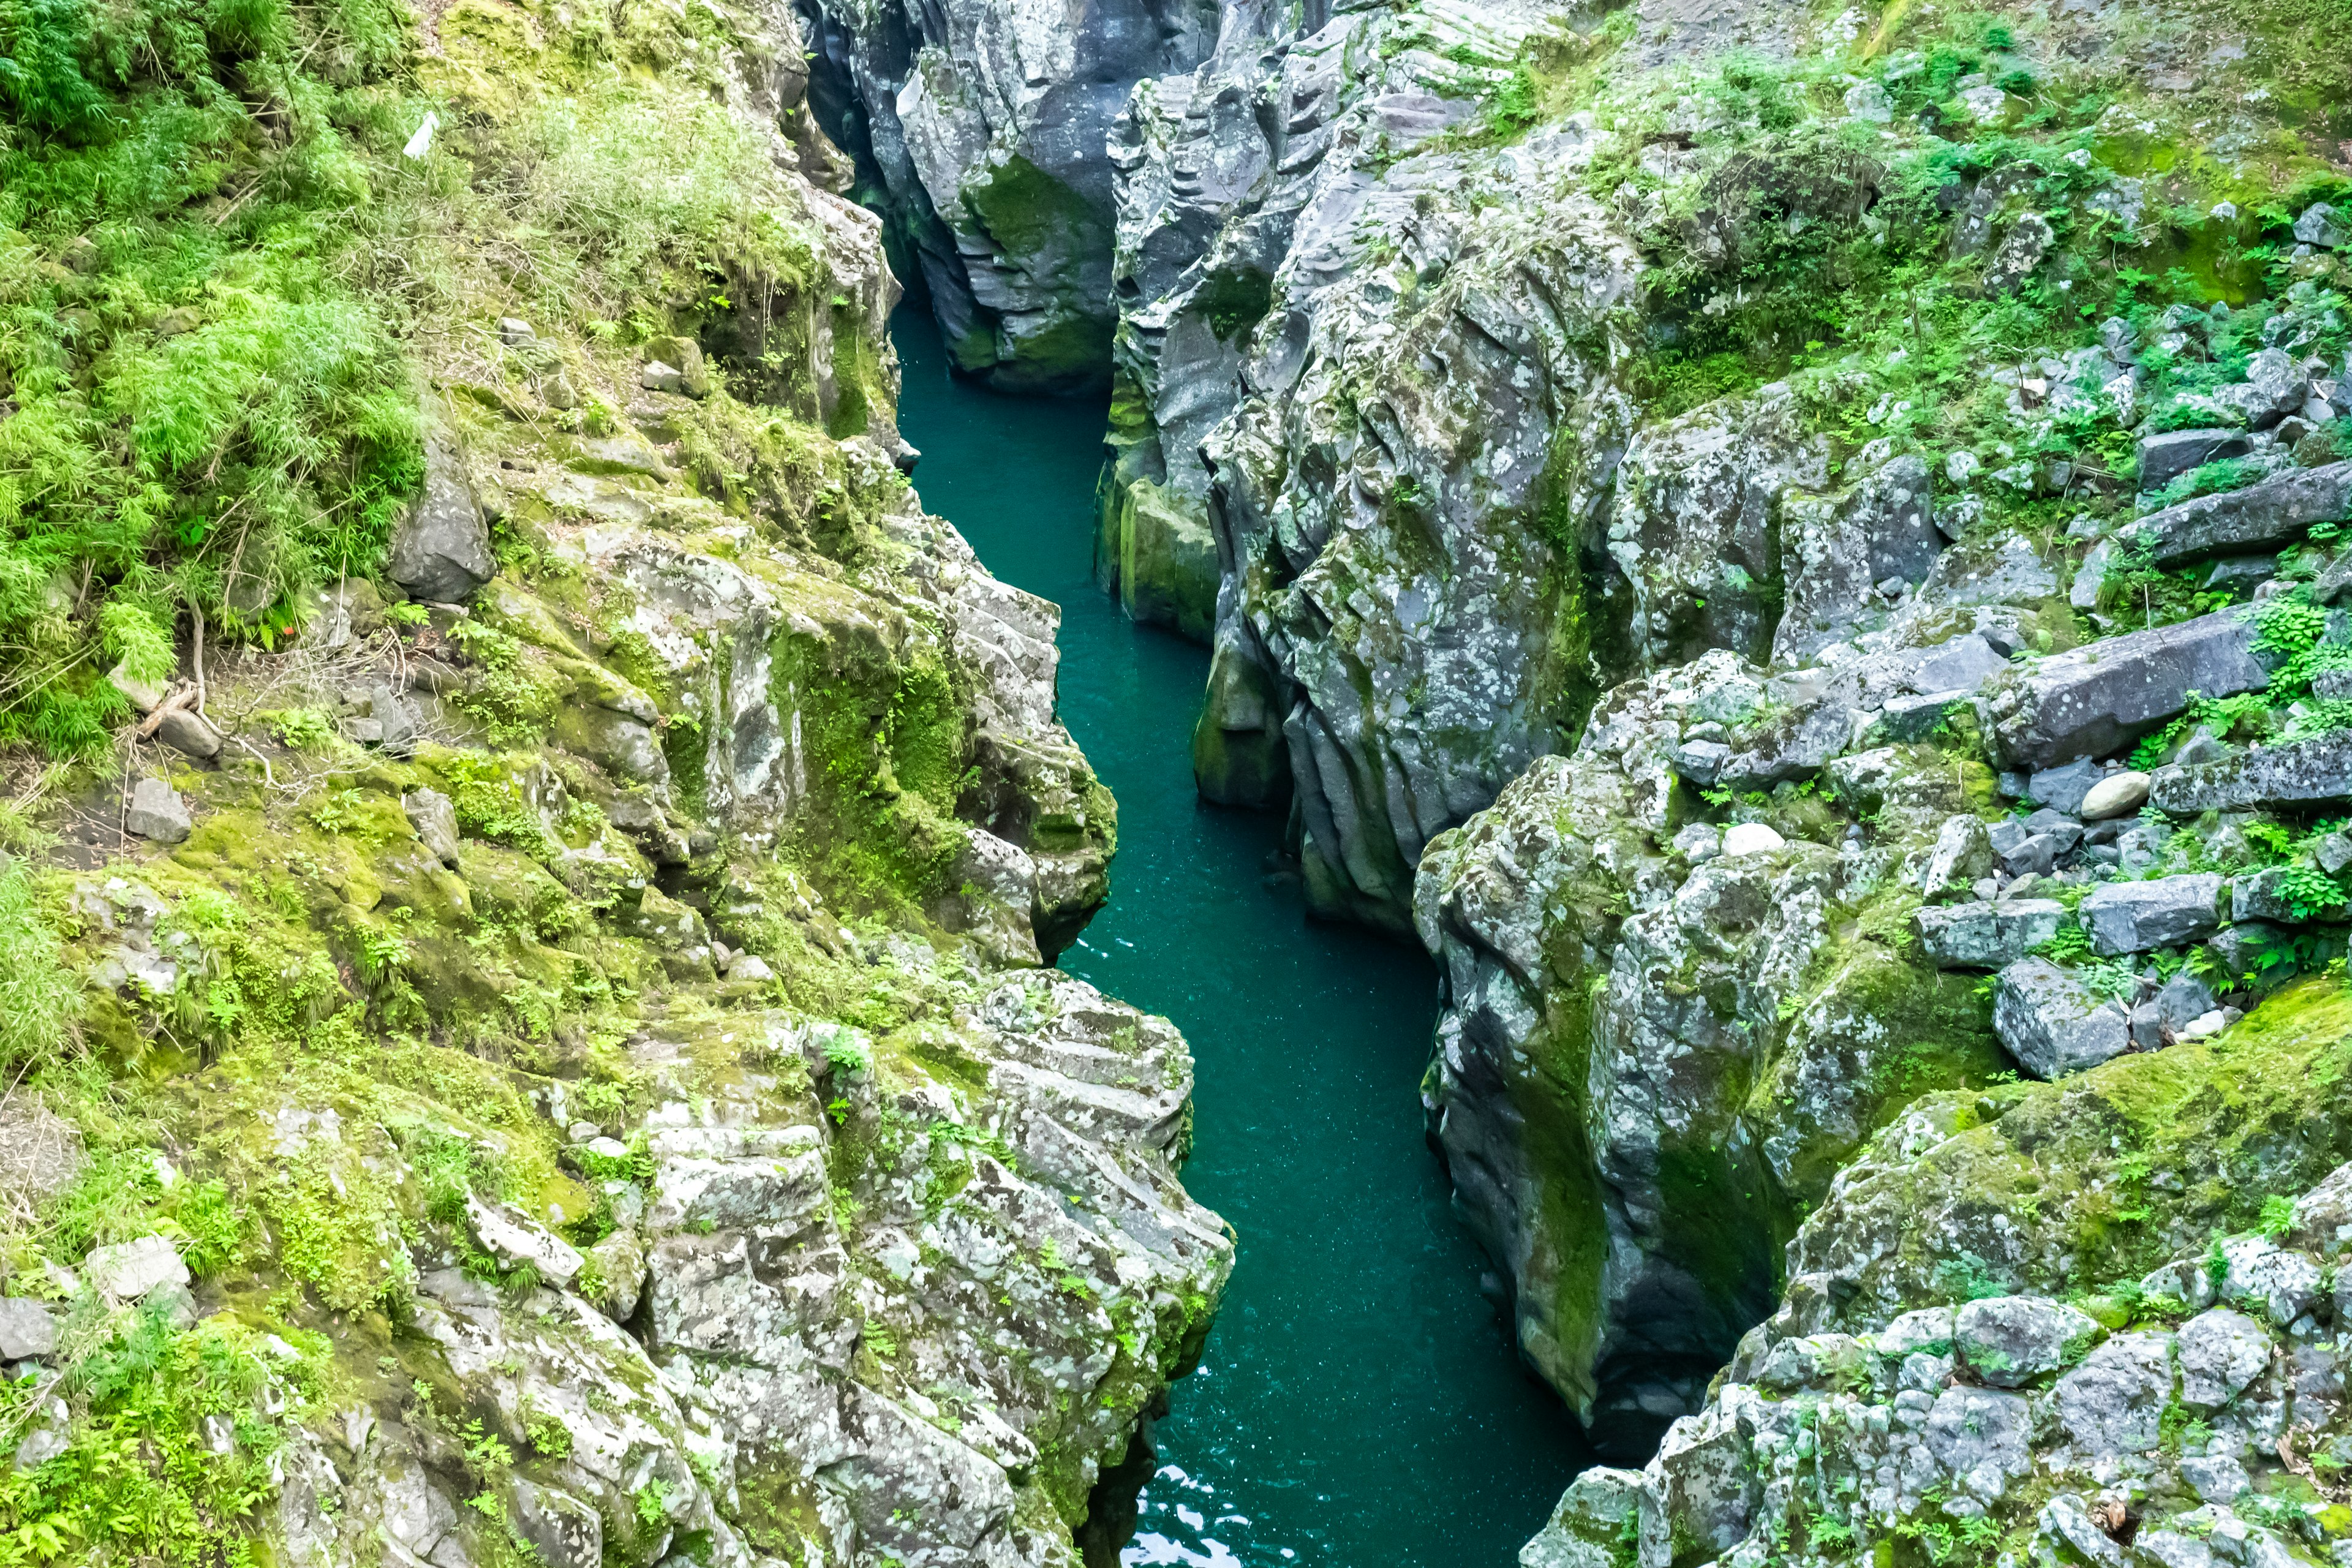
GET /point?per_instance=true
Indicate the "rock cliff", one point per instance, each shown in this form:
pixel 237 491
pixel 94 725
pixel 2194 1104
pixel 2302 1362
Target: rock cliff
pixel 535 1048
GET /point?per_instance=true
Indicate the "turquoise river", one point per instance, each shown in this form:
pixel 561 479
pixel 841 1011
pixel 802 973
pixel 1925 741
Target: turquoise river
pixel 1359 1403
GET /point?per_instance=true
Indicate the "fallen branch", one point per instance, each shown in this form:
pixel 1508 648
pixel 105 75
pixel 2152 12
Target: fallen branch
pixel 180 699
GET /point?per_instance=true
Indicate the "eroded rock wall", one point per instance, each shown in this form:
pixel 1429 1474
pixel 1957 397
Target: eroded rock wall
pixel 554 1063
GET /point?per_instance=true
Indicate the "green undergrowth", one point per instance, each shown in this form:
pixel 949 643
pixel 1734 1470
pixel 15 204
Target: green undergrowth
pixel 2113 1171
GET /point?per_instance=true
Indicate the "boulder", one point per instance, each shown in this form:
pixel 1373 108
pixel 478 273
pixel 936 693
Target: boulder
pixel 2138 917
pixel 1963 854
pixel 1963 664
pixel 2261 516
pixel 2118 794
pixel 2052 1024
pixel 1981 935
pixel 2316 772
pixel 2099 699
pixel 157 811
pixel 2113 1403
pixel 2009 1340
pixel 1982 1437
pixel 2220 1351
pixel 2268 895
pixel 186 731
pixel 2166 457
pixel 2063 789
pixel 434 818
pixel 1916 718
pixel 691 374
pixel 2323 1216
pixel 441 550
pixel 1751 838
pixel 2321 226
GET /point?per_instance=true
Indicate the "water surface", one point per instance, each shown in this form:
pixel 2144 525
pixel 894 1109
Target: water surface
pixel 1359 1402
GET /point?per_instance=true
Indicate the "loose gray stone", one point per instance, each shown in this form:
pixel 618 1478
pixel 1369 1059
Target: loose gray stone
pixel 2050 1024
pixel 2098 698
pixel 2220 1351
pixel 396 721
pixel 186 731
pixel 1914 718
pixel 435 817
pixel 2009 1340
pixel 2166 457
pixel 2184 997
pixel 2266 894
pixel 2320 226
pixel 2240 572
pixel 1980 935
pixel 26 1330
pixel 1963 853
pixel 2062 789
pixel 441 551
pixel 2263 515
pixel 130 1271
pixel 2138 917
pixel 157 811
pixel 1962 664
pixel 2297 773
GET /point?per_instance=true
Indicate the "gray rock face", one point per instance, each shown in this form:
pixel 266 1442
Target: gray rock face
pixel 2297 773
pixel 441 549
pixel 2113 1403
pixel 2139 916
pixel 1588 1526
pixel 2009 1341
pixel 1980 935
pixel 2267 513
pixel 157 811
pixel 2166 457
pixel 2052 1025
pixel 980 128
pixel 2099 699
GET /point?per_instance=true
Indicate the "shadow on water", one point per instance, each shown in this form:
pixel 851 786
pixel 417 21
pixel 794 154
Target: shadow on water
pixel 1359 1402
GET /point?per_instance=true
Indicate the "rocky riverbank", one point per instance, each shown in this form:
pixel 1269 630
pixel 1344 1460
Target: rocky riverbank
pixel 538 1053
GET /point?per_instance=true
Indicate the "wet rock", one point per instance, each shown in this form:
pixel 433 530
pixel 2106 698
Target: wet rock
pixel 2266 514
pixel 2052 1024
pixel 1981 935
pixel 157 811
pixel 2098 698
pixel 2164 457
pixel 2315 772
pixel 441 549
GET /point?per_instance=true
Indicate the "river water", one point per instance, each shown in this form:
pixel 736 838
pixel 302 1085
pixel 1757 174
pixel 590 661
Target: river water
pixel 1359 1403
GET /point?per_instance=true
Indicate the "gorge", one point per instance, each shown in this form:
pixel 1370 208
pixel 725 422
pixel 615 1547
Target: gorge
pixel 595 802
